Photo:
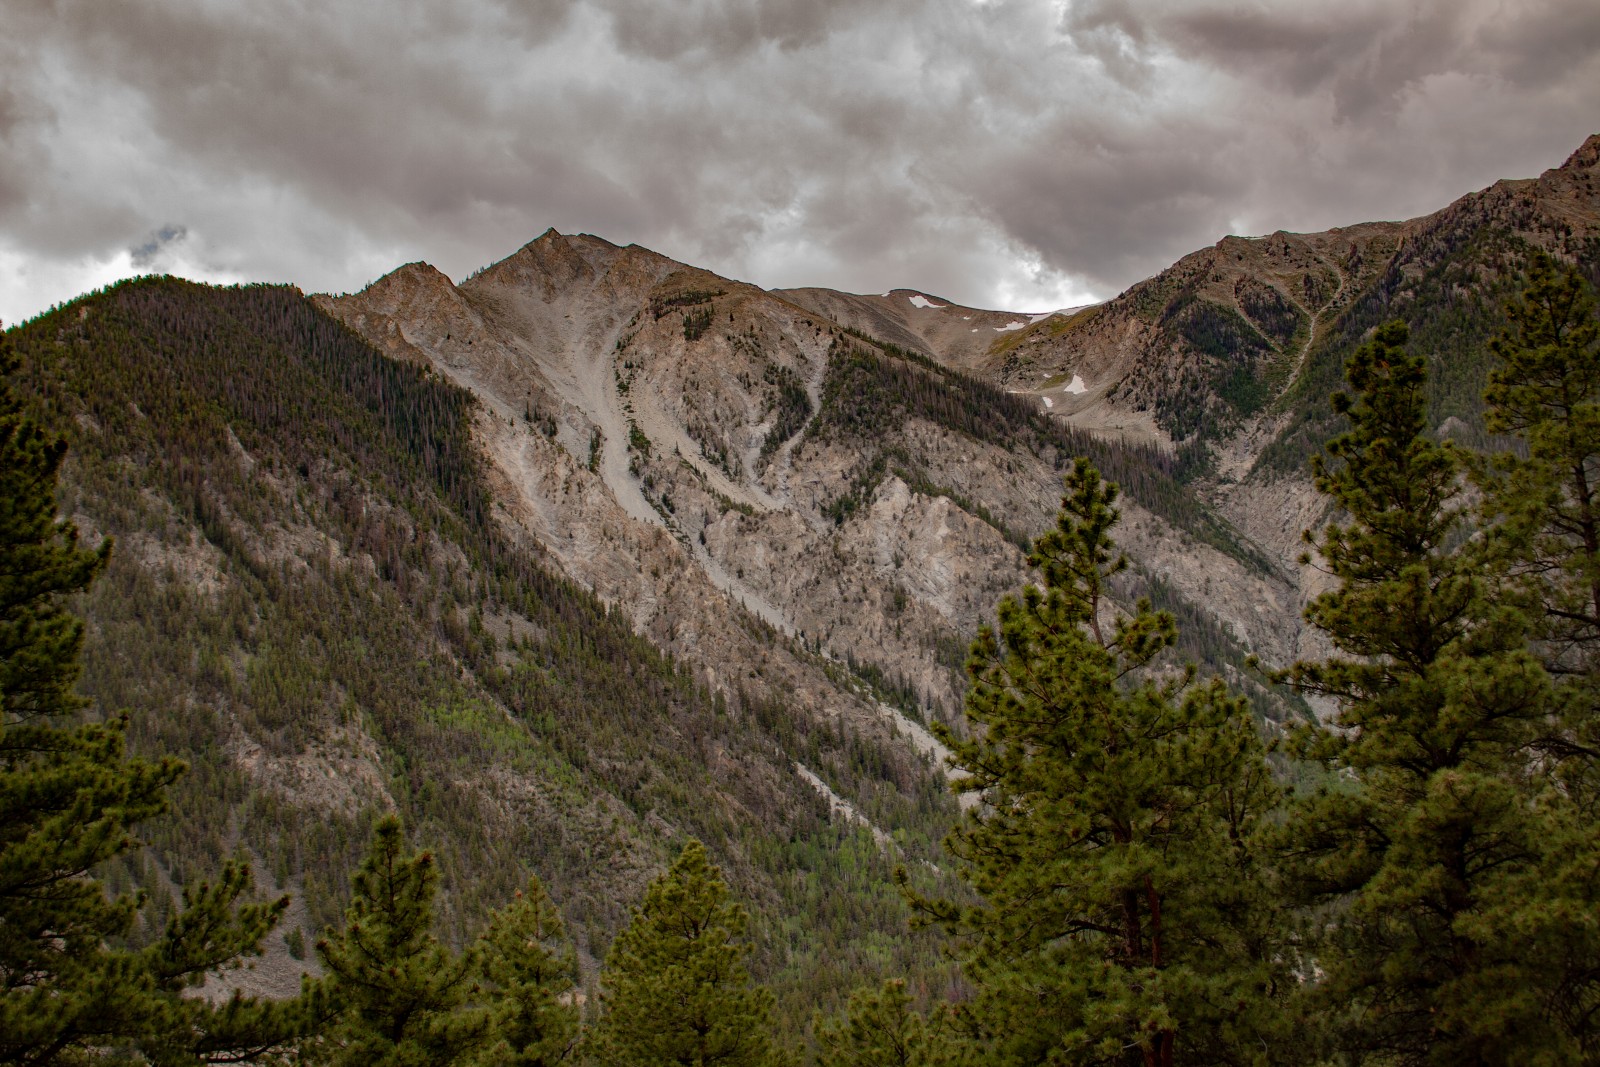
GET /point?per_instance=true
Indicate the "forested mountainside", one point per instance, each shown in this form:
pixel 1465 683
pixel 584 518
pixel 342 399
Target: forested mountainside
pixel 1228 357
pixel 597 551
pixel 312 602
pixel 1237 346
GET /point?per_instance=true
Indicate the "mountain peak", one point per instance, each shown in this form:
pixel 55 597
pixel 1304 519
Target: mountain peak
pixel 419 272
pixel 413 283
pixel 1587 156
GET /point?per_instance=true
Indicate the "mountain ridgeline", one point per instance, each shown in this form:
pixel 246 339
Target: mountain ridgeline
pixel 597 552
pixel 1252 334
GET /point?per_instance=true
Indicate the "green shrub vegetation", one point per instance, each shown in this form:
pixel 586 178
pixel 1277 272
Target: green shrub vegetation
pixel 1232 352
pixel 660 305
pixel 1271 312
pixel 1448 288
pixel 696 323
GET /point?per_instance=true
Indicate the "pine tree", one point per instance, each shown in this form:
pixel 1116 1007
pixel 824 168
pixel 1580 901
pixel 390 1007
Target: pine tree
pixel 67 793
pixel 1545 506
pixel 532 975
pixel 1422 840
pixel 209 934
pixel 1542 520
pixel 675 990
pixel 879 1028
pixel 69 798
pixel 403 998
pixel 1124 916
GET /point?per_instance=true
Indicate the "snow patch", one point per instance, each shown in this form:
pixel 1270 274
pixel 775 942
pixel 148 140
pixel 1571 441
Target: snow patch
pixel 1043 315
pixel 1076 385
pixel 1008 327
pixel 920 301
pixel 1048 402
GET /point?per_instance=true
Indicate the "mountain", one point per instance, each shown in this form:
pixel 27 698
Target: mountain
pixel 1228 357
pixel 861 497
pixel 597 550
pixel 317 600
pixel 1237 336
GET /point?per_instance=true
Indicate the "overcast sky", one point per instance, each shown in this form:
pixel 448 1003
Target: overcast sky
pixel 1021 155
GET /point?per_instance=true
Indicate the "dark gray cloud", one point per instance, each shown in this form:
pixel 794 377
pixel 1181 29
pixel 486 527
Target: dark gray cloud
pixel 145 254
pixel 999 152
pixel 718 29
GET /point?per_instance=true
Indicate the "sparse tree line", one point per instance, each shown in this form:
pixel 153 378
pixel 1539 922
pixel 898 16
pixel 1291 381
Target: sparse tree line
pixel 1143 887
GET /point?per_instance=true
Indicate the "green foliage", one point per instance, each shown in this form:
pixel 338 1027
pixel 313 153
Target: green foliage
pixel 402 997
pixel 1123 902
pixel 1448 285
pixel 1243 388
pixel 867 475
pixel 532 978
pixel 675 986
pixel 660 305
pixel 1423 958
pixel 210 933
pixel 1231 349
pixel 68 795
pixel 1270 312
pixel 880 1028
pixel 1546 391
pixel 1543 521
pixel 69 799
pixel 1191 460
pixel 1223 366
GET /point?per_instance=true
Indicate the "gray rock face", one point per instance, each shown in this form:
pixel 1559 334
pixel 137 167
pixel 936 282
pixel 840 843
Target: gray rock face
pixel 643 418
pixel 632 409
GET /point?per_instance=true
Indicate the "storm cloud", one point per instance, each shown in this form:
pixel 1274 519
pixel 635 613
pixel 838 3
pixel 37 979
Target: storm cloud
pixel 1003 154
